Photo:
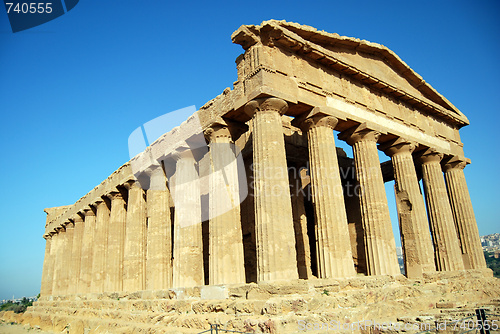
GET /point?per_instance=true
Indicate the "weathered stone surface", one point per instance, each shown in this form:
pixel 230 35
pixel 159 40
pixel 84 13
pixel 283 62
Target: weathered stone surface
pixel 380 247
pixel 310 212
pixel 188 268
pixel 275 237
pixel 465 220
pixel 159 234
pixel 134 259
pixel 226 259
pixel 334 252
pixel 379 298
pixel 100 247
pixel 415 236
pixel 86 252
pixel 116 243
pixel 446 243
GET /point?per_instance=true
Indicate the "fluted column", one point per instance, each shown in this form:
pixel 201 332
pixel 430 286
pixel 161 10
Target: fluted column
pixel 159 237
pixel 134 261
pixel 333 240
pixel 226 260
pixel 67 258
pixel 276 254
pixel 303 248
pixel 86 252
pixel 446 245
pixel 416 240
pixel 100 247
pixel 188 240
pixel 76 255
pixel 465 220
pixel 380 247
pixel 116 243
pixel 57 284
pixel 46 288
pixel 54 252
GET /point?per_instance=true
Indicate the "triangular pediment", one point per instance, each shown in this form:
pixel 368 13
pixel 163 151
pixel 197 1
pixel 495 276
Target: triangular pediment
pixel 373 64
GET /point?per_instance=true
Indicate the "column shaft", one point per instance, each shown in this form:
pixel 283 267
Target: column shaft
pixel 57 286
pixel 380 247
pixel 159 245
pixel 86 252
pixel 116 244
pixel 188 243
pixel 76 255
pixel 276 254
pixel 46 287
pixel 67 258
pixel 465 220
pixel 333 240
pixel 100 247
pixel 300 222
pixel 226 260
pixel 416 240
pixel 134 262
pixel 446 244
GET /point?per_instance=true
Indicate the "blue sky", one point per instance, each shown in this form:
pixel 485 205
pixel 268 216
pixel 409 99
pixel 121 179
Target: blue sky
pixel 72 91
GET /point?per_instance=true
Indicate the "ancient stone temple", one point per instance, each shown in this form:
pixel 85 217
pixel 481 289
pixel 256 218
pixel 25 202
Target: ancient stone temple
pixel 252 188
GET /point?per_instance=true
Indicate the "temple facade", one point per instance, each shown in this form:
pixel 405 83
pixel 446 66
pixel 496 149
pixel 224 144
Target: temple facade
pixel 252 188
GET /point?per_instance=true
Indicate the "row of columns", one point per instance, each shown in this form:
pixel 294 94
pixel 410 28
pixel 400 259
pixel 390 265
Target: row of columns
pixel 123 241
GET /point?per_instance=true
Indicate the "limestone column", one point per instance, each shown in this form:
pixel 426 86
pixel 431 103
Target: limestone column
pixel 446 245
pixel 188 240
pixel 333 240
pixel 54 254
pixel 380 247
pixel 76 255
pixel 46 288
pixel 159 245
pixel 465 220
pixel 67 258
pixel 297 186
pixel 116 243
pixel 100 247
pixel 276 254
pixel 416 240
pixel 57 284
pixel 134 260
pixel 86 252
pixel 226 259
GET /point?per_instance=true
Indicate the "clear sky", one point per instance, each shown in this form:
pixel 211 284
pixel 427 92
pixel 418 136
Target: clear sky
pixel 72 91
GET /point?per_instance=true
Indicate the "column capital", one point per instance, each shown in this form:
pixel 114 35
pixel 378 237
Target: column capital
pixel 429 156
pixel 98 201
pixel 132 184
pixel 76 218
pixel 114 195
pixel 217 131
pixel 359 133
pixel 318 120
pixel 266 104
pixel 88 212
pixel 397 146
pixel 224 128
pixel 455 162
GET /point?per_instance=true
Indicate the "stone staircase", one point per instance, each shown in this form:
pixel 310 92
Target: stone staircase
pixel 316 306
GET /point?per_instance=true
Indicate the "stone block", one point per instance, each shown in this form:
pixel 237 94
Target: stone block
pixel 214 292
